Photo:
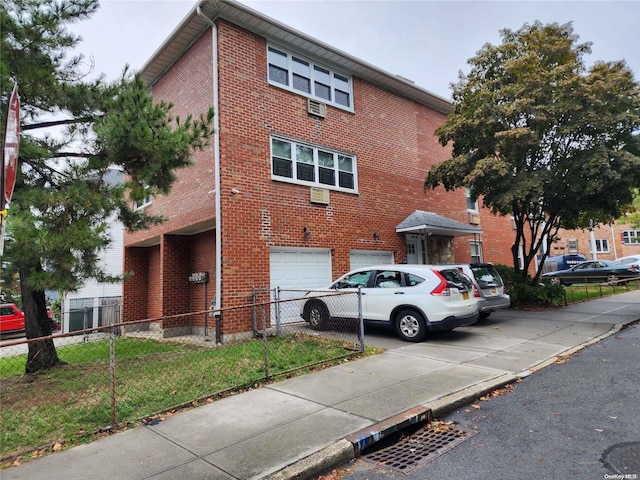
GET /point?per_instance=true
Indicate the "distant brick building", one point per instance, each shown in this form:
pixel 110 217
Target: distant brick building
pixel 608 242
pixel 317 167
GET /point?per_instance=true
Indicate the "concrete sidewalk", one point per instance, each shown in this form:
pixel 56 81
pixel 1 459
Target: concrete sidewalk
pixel 299 427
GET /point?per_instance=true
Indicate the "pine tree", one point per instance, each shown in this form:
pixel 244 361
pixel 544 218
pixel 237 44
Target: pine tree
pixel 57 220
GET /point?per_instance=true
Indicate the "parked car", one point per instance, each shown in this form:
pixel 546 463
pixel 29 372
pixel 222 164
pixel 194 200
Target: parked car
pixel 596 271
pixel 11 318
pixel 562 262
pixel 489 287
pixel 55 324
pixel 414 299
pixel 631 260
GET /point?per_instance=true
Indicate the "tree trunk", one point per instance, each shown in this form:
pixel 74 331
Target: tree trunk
pixel 42 354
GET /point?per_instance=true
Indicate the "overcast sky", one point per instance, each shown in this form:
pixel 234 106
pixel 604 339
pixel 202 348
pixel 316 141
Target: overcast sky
pixel 428 42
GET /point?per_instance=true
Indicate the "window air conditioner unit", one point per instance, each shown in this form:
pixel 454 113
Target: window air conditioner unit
pixel 316 108
pixel 474 218
pixel 319 195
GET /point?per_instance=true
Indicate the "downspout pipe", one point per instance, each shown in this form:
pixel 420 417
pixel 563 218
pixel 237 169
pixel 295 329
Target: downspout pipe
pixel 216 153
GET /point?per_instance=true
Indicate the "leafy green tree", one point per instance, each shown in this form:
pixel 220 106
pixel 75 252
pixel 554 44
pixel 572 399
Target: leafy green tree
pixel 542 138
pixel 59 213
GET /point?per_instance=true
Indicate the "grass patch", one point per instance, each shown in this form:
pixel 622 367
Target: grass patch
pixel 588 291
pixel 69 403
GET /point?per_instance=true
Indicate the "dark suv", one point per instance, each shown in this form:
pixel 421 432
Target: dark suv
pixel 562 262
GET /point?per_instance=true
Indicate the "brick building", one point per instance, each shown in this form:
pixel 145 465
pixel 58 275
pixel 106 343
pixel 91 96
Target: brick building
pixel 608 242
pixel 317 167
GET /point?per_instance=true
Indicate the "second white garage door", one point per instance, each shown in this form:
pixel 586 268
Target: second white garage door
pixel 367 258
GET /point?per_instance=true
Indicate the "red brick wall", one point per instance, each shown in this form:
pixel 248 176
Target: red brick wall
pixel 394 141
pixel 135 288
pixel 154 286
pixel 188 85
pixel 202 260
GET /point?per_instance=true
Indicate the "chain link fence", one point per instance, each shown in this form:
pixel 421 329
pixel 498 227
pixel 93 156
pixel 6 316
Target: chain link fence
pixel 118 373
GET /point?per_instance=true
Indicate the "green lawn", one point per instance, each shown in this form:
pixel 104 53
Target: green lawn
pixel 581 292
pixel 68 404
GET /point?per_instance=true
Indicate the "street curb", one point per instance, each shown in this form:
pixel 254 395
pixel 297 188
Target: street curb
pixel 446 404
pixel 345 450
pixel 340 452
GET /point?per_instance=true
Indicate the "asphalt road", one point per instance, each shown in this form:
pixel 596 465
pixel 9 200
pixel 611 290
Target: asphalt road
pixel 566 421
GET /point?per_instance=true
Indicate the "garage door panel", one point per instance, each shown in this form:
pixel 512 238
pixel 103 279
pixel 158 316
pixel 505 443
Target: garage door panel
pixel 298 269
pixel 368 258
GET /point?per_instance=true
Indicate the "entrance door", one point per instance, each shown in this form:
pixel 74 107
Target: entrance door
pixel 414 252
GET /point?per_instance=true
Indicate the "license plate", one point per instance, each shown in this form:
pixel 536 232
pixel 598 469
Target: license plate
pixel 465 295
pixel 494 291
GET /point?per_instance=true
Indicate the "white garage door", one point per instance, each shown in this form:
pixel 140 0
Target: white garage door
pixel 368 258
pixel 298 269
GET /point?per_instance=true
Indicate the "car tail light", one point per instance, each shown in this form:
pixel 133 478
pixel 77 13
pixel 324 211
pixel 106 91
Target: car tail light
pixel 443 287
pixel 476 293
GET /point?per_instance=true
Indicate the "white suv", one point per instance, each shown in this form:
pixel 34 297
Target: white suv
pixel 414 299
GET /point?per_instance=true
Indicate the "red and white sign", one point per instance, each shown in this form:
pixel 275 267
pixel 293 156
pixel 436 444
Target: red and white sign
pixel 11 144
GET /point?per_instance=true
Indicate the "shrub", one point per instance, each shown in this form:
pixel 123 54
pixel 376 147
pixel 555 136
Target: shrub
pixel 524 294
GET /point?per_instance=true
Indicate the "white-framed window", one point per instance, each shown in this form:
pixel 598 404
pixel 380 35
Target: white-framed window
pixel 631 236
pixel 472 205
pixel 602 245
pixel 476 251
pixel 301 75
pixel 298 162
pixel 144 202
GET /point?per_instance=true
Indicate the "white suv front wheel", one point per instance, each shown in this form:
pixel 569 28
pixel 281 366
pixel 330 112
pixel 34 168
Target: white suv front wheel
pixel 410 325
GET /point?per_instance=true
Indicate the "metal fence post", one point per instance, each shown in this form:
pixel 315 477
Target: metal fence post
pixel 85 323
pixel 112 376
pixel 254 312
pixel 277 300
pixel 361 319
pixel 264 342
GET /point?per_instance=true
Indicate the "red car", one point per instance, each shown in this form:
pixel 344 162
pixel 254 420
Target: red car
pixel 11 318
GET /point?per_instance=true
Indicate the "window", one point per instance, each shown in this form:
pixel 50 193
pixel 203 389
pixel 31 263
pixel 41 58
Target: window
pixel 388 279
pixel 145 202
pixel 472 205
pixel 303 76
pixel 572 245
pixel 631 236
pixel 476 252
pixel 358 279
pixel 411 280
pixel 602 245
pixel 301 163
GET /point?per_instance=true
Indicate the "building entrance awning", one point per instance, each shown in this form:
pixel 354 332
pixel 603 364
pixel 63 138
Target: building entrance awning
pixel 434 224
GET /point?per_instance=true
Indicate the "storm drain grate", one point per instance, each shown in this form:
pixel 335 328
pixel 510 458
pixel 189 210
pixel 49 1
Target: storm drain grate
pixel 418 449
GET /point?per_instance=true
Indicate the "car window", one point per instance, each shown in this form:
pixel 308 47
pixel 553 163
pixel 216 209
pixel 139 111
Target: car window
pixel 6 311
pixel 584 265
pixel 411 280
pixel 456 279
pixel 388 279
pixel 487 276
pixel 627 261
pixel 355 280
